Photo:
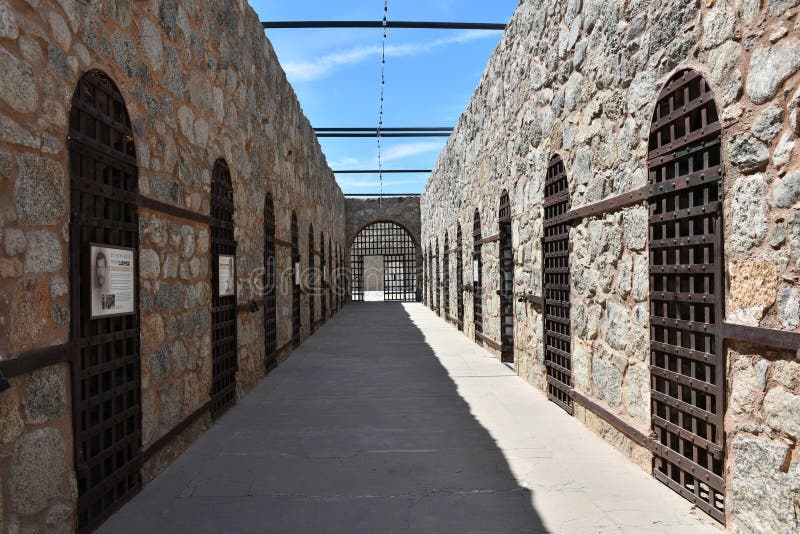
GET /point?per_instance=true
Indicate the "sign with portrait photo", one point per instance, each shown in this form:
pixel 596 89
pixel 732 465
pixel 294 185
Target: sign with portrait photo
pixel 113 287
pixel 226 277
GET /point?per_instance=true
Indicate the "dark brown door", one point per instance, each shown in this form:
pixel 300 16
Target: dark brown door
pixel 270 302
pixel 506 281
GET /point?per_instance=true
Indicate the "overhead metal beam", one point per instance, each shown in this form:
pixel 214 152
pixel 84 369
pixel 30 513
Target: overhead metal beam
pixel 425 129
pixel 382 195
pixel 375 134
pixel 393 171
pixel 301 24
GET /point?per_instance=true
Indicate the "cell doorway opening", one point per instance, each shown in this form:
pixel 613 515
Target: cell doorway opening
pixel 383 261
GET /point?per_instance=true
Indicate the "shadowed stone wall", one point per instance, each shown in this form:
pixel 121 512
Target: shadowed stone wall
pixel 201 82
pixel 580 79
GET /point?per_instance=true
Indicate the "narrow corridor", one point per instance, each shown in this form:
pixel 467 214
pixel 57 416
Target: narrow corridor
pixel 390 420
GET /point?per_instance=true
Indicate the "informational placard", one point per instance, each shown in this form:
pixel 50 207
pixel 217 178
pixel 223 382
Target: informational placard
pixel 475 271
pixel 297 273
pixel 226 269
pixel 113 291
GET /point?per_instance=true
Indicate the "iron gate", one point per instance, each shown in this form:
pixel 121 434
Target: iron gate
pixel 106 379
pixel 223 314
pixel 270 302
pixel 446 275
pixel 460 278
pixel 431 282
pixel 396 246
pixel 506 281
pixel 556 277
pixel 295 282
pixel 477 278
pixel 438 279
pixel 687 358
pixel 311 281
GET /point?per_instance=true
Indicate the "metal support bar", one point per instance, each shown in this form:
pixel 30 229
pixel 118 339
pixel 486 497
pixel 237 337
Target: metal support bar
pixel 394 171
pixel 303 24
pixel 382 195
pixel 369 130
pixel 375 134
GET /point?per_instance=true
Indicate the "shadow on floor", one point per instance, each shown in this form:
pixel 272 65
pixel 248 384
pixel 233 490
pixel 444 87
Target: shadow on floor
pixel 362 430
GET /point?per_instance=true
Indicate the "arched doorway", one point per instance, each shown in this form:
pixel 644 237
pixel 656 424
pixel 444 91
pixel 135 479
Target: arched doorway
pixel 270 302
pixel 555 259
pixel 383 260
pixel 295 281
pixel 446 275
pixel 459 278
pixel 223 287
pixel 477 278
pixel 311 282
pixel 104 234
pixel 506 281
pixel 687 356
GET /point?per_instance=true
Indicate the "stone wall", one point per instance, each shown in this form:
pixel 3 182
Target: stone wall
pixel 580 79
pixel 201 82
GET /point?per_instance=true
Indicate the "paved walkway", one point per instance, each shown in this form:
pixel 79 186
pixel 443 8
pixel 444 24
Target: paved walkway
pixel 389 420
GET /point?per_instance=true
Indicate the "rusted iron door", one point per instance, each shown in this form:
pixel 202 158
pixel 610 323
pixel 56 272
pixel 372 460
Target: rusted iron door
pixel 446 275
pixel 459 278
pixel 556 279
pixel 436 258
pixel 270 302
pixel 106 376
pixel 506 290
pixel 687 358
pixel 223 313
pixel 477 278
pixel 395 246
pixel 295 282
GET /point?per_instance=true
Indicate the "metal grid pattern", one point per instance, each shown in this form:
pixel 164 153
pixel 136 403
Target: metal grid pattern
pixel 460 278
pixel 270 301
pixel 223 313
pixel 399 252
pixel 325 277
pixel 106 376
pixel 477 282
pixel 431 304
pixel 438 282
pixel 446 274
pixel 506 252
pixel 556 276
pixel 296 316
pixel 687 358
pixel 311 281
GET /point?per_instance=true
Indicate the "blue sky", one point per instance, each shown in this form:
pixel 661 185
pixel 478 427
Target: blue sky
pixel 430 77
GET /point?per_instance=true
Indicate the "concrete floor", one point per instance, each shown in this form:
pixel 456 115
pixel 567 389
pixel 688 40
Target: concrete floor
pixel 389 420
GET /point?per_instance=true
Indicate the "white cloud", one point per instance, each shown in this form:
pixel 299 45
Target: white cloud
pixel 411 149
pixel 318 68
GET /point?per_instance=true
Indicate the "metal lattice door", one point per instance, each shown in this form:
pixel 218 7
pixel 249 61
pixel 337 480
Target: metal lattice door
pixel 506 281
pixel 556 276
pixel 270 301
pixel 446 275
pixel 399 253
pixel 223 313
pixel 687 358
pixel 460 278
pixel 295 282
pixel 106 380
pixel 438 279
pixel 477 282
pixel 311 282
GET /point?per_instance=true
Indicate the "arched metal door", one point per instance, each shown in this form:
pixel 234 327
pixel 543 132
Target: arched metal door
pixel 270 301
pixel 506 281
pixel 477 278
pixel 556 276
pixel 446 275
pixel 398 251
pixel 687 357
pixel 225 362
pixel 311 281
pixel 106 376
pixel 295 282
pixel 460 278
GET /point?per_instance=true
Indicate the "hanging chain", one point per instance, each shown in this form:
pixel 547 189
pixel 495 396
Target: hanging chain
pixel 383 85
